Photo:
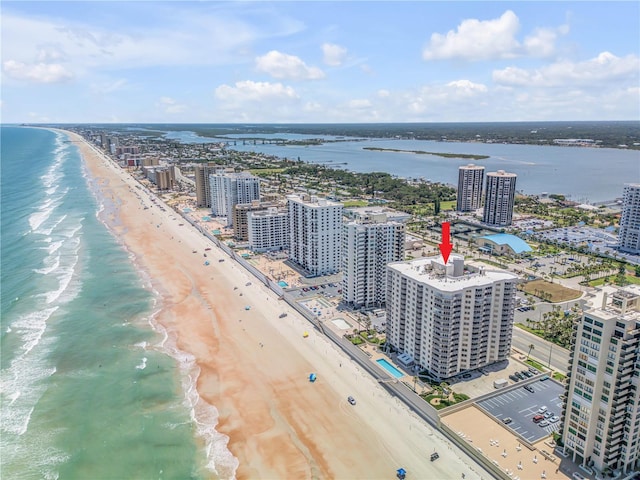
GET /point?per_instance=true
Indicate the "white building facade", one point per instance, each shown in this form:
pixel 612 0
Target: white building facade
pixel 500 194
pixel 367 247
pixel 449 318
pixel 601 422
pixel 315 233
pixel 470 179
pixel 629 235
pixel 229 189
pixel 268 230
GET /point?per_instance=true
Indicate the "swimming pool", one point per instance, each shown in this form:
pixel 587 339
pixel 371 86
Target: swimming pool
pixel 390 368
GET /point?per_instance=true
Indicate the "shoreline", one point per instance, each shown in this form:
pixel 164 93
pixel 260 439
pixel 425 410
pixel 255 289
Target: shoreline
pixel 253 366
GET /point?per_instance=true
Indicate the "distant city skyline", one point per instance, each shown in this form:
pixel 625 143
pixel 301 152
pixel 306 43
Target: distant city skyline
pixel 319 62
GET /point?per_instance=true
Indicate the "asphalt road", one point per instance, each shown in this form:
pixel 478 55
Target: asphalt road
pixel 542 350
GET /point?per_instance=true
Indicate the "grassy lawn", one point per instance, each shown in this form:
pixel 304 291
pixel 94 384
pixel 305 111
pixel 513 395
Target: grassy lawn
pixel 448 205
pixel 491 262
pixel 537 333
pixel 558 376
pixel 266 171
pixel 355 203
pixel 444 402
pixel 631 280
pixel 557 293
pixel 536 365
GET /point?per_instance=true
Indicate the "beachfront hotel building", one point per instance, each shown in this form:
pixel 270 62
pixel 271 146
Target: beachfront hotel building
pixel 229 189
pixel 369 243
pixel 449 318
pixel 203 189
pixel 470 179
pixel 240 217
pixel 629 235
pixel 268 230
pixel 500 194
pixel 315 234
pixel 601 421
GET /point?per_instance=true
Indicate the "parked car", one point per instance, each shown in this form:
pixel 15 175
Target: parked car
pixel 351 400
pixel 537 418
pixel 542 409
pixel 529 388
pixel 543 423
pixel 507 420
pixel 519 375
pixel 514 378
pixel 554 419
pixel 546 377
pixel 282 315
pixel 548 415
pixel 527 373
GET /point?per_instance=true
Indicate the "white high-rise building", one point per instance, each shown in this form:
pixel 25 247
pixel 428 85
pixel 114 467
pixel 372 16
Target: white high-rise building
pixel 268 230
pixel 629 236
pixel 315 231
pixel 449 318
pixel 368 245
pixel 470 178
pixel 229 189
pixel 601 422
pixel 500 194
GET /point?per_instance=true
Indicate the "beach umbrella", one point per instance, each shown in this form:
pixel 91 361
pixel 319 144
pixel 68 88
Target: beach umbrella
pixel 312 377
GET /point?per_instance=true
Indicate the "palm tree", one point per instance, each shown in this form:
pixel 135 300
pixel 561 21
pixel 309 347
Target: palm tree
pixel 531 347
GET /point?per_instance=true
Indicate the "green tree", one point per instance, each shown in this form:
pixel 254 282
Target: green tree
pixel 531 347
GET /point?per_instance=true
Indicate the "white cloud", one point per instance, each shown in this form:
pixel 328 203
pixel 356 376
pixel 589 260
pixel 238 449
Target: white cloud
pixel 476 39
pixel 254 91
pixel 382 93
pixel 466 87
pixel 333 55
pixel 170 105
pixel 281 65
pixel 37 72
pixel 183 37
pixel 542 43
pixel 600 70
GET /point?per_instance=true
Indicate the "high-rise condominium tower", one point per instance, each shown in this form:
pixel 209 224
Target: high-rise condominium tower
pixel 629 237
pixel 315 232
pixel 449 318
pixel 500 194
pixel 229 189
pixel 601 422
pixel 470 179
pixel 369 243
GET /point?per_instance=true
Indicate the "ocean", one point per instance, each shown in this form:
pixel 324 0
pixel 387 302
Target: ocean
pixel 91 387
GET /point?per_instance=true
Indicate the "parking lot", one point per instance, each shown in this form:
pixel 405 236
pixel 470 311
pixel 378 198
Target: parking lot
pixel 521 405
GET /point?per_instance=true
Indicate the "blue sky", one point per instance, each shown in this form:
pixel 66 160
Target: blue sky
pixel 306 61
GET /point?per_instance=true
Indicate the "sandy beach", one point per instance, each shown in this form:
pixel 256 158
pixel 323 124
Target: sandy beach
pixel 254 366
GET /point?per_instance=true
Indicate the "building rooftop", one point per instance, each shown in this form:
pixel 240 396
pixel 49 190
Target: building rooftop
pixel 617 302
pixel 452 277
pixel 313 201
pixel 515 243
